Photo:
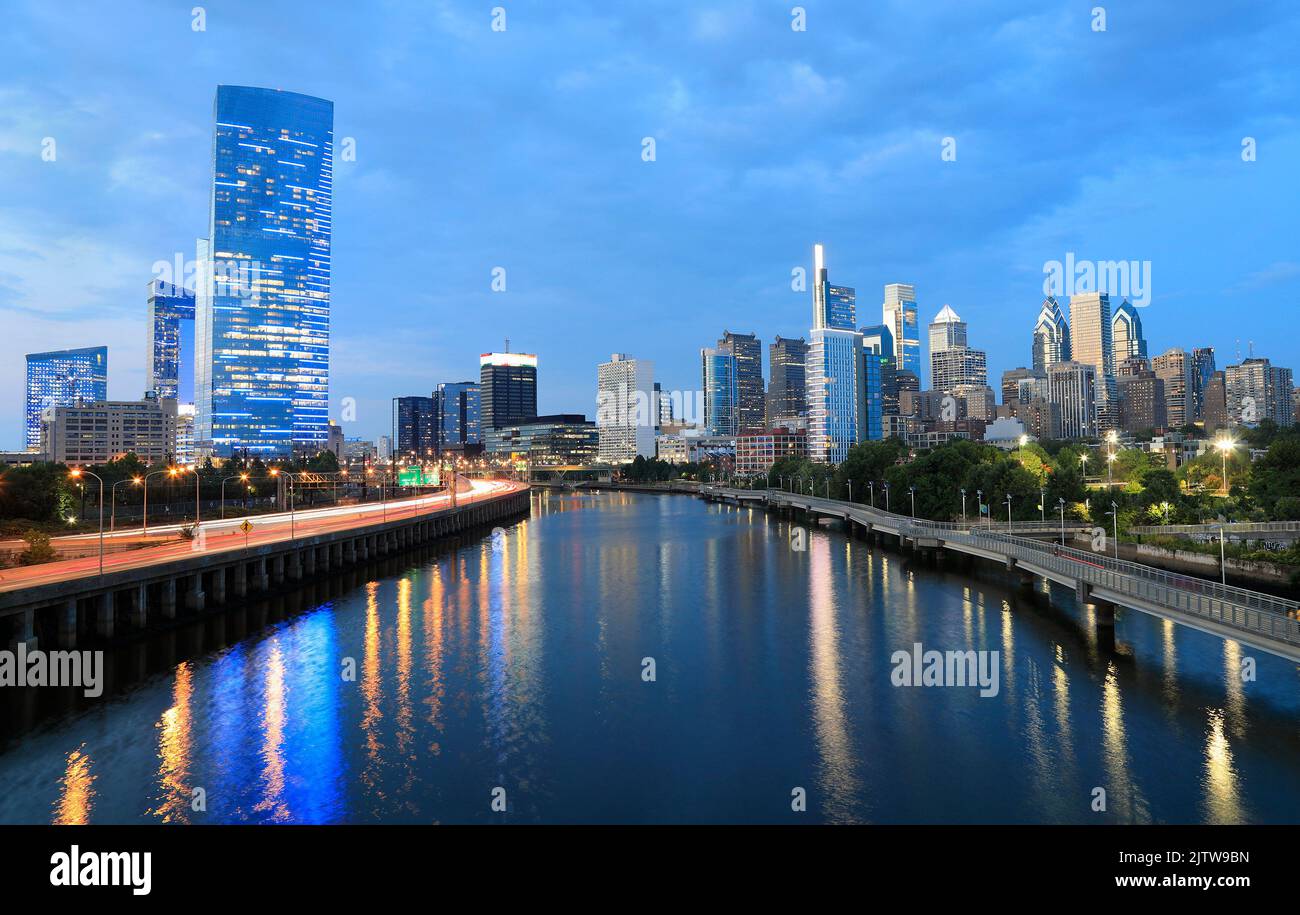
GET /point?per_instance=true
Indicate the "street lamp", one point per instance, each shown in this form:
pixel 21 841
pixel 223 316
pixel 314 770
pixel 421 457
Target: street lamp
pixel 1008 513
pixel 1225 444
pixel 238 476
pixel 1061 503
pixel 912 491
pixel 1114 512
pixel 979 501
pixel 871 486
pixel 77 473
pixel 886 485
pixel 144 528
pixel 850 483
pixel 112 498
pixel 963 506
pixel 1042 503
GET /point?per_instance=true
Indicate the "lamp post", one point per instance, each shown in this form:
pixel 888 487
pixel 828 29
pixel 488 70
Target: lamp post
pixel 871 486
pixel 1008 513
pixel 1114 511
pixel 1042 503
pixel 170 471
pixel 963 506
pixel 886 485
pixel 912 491
pixel 979 501
pixel 112 497
pixel 1224 444
pixel 1223 558
pixel 850 482
pixel 77 473
pixel 1061 504
pixel 238 476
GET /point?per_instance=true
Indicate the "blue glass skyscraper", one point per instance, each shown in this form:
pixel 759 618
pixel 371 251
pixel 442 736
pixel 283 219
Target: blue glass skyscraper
pixel 61 379
pixel 721 395
pixel 833 371
pixel 456 406
pixel 263 309
pixel 169 351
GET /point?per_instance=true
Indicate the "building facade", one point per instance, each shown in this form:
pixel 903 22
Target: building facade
pixel 1174 368
pixel 169 353
pixel 415 427
pixel 63 378
pixel 108 430
pixel 721 395
pixel 507 389
pixel 626 409
pixel 787 396
pixel 262 306
pixel 457 409
pixel 1126 332
pixel 1092 343
pixel 751 406
pixel 561 439
pixel 1258 390
pixel 1051 336
pixel 757 451
pixel 1071 387
pixel 899 314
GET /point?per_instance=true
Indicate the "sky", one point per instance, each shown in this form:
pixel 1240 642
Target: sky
pixel 959 147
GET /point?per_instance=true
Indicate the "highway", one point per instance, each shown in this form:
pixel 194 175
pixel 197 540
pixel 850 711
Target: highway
pixel 225 535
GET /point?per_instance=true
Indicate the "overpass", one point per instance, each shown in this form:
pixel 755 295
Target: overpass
pixel 1261 621
pixel 231 558
pixel 1273 532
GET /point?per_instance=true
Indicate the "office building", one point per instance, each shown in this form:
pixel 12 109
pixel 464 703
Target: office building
pixel 561 439
pixel 109 430
pixel 836 394
pixel 185 454
pixel 1011 380
pixel 947 331
pixel 457 411
pixel 757 451
pixel 1174 368
pixel 787 397
pixel 1092 343
pixel 626 409
pixel 507 389
pixel 1126 332
pixel 718 382
pixel 1142 404
pixel 262 305
pixel 1071 391
pixel 63 378
pixel 899 314
pixel 415 427
pixel 169 351
pixel 1214 403
pixel 1258 390
pixel 1051 336
pixel 747 349
pixel 879 339
pixel 834 307
pixel 1203 369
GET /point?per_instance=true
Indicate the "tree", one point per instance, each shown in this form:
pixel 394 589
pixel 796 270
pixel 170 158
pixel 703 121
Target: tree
pixel 38 549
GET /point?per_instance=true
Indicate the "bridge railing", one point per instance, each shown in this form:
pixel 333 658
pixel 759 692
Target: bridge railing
pixel 1266 614
pixel 1233 527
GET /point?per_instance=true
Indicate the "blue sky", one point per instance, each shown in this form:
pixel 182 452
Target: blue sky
pixel 522 149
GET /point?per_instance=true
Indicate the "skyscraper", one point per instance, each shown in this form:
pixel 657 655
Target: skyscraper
pixel 1051 336
pixel 1258 390
pixel 507 388
pixel 880 340
pixel 718 381
pixel 1203 369
pixel 749 376
pixel 415 427
pixel 63 378
pixel 1071 387
pixel 263 302
pixel 833 306
pixel 457 409
pixel 626 411
pixel 169 351
pixel 1174 368
pixel 952 362
pixel 899 315
pixel 834 377
pixel 1126 332
pixel 787 398
pixel 1092 343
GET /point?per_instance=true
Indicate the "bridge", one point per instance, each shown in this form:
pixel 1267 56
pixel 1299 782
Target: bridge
pixel 1261 621
pixel 76 598
pixel 1273 532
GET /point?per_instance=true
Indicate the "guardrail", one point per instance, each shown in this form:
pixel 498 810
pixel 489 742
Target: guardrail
pixel 1231 527
pixel 1237 608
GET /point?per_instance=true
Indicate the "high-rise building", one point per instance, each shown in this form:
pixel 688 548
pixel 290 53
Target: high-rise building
pixel 1141 401
pixel 836 394
pixel 415 425
pixel 169 351
pixel 833 306
pixel 786 389
pixel 947 331
pixel 1203 369
pixel 108 430
pixel 1214 403
pixel 1174 368
pixel 1092 343
pixel 718 381
pixel 1011 379
pixel 1258 390
pixel 900 316
pixel 1071 391
pixel 63 378
pixel 262 306
pixel 507 388
pixel 1051 336
pixel 873 363
pixel 878 339
pixel 456 407
pixel 1126 332
pixel 626 411
pixel 749 376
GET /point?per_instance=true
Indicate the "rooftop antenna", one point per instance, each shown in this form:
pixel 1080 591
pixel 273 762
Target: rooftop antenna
pixel 1250 348
pixel 1238 350
pixel 507 344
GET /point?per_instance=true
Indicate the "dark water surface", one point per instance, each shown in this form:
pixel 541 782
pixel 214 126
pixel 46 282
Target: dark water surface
pixel 516 662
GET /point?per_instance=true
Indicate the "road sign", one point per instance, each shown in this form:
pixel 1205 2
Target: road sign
pixel 246 526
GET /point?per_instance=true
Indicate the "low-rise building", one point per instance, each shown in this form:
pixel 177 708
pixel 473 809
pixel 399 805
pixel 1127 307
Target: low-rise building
pixel 107 430
pixel 756 452
pixel 556 440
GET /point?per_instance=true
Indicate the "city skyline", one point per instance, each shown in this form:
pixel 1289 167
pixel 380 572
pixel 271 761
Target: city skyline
pixel 73 270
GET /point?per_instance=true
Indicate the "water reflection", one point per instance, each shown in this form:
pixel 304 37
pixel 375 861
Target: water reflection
pixel 77 791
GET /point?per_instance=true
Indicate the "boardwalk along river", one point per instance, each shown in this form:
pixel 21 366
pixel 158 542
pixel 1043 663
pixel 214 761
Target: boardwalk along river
pixel 521 661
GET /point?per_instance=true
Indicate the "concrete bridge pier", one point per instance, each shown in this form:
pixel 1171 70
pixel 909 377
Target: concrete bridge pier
pixel 219 586
pixel 25 630
pixel 104 615
pixel 138 612
pixel 277 570
pixel 350 552
pixel 167 599
pixel 294 561
pixel 194 593
pixel 240 583
pixel 261 580
pixel 67 617
pixel 336 554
